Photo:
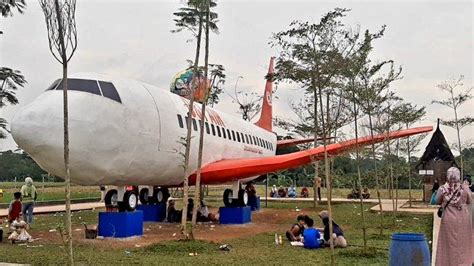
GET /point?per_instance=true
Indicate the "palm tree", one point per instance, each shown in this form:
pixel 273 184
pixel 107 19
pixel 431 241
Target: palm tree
pixel 7 6
pixel 11 80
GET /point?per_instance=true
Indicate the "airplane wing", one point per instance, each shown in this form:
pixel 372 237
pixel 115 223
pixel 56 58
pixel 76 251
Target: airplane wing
pixel 292 142
pixel 235 169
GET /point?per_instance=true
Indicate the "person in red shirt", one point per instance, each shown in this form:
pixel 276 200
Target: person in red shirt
pixel 14 209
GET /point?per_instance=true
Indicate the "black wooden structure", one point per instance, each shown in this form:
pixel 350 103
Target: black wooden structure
pixel 435 162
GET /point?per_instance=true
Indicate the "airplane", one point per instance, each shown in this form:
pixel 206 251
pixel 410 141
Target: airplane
pixel 128 133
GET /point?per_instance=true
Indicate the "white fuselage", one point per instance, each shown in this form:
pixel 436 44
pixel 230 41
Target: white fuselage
pixel 138 141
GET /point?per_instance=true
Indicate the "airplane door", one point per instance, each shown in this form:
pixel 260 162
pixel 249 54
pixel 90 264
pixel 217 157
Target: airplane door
pixel 161 106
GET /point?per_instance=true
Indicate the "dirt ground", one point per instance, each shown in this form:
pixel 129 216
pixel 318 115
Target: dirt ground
pixel 265 220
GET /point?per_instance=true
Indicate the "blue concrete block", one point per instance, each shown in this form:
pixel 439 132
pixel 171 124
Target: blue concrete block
pixel 235 215
pixel 254 203
pixel 152 212
pixel 120 224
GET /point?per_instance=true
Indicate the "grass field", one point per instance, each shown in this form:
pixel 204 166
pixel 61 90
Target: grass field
pixel 255 249
pixel 55 191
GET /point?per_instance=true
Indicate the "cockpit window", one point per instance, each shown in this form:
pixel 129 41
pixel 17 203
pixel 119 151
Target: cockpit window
pixel 109 91
pixel 106 89
pixel 53 86
pixel 86 85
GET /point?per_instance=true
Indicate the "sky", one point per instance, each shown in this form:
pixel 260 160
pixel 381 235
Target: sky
pixel 431 40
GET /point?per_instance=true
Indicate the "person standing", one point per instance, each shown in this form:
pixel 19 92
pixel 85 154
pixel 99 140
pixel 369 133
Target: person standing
pixel 318 187
pixel 14 209
pixel 28 198
pixel 455 237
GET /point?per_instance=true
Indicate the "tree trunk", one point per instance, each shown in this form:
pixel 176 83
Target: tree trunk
pixel 197 201
pixel 409 170
pixel 377 182
pixel 327 175
pixel 459 140
pixel 188 136
pixel 67 178
pixel 359 178
pixel 316 163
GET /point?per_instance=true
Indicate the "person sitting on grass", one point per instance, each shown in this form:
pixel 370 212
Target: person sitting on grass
pixel 281 192
pixel 311 235
pixel 337 233
pixel 274 192
pixel 204 215
pixel 19 233
pixel 173 215
pixel 304 192
pixel 297 229
pixel 14 209
pixel 292 192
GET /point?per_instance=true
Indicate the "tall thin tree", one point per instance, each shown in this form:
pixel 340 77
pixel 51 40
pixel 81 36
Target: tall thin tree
pixel 455 101
pixel 62 37
pixel 197 193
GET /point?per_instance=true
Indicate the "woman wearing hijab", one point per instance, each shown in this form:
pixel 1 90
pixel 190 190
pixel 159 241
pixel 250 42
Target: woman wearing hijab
pixel 455 237
pixel 274 192
pixel 28 198
pixel 337 233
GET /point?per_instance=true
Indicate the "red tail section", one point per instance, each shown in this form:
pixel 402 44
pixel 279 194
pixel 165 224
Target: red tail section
pixel 266 116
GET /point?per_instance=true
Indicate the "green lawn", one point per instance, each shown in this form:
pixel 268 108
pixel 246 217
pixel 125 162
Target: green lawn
pixel 258 249
pixel 51 191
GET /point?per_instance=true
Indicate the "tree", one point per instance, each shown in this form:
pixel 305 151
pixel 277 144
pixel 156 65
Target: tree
pixel 311 56
pixel 62 37
pixel 372 94
pixel 407 115
pixel 351 72
pixel 190 18
pixel 249 103
pixel 7 7
pixel 197 194
pixel 10 79
pixel 455 101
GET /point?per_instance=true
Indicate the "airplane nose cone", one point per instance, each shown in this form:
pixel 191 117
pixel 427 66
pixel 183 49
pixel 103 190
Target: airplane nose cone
pixel 33 128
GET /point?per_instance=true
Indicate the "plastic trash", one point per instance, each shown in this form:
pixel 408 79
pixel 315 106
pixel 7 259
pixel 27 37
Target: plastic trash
pixel 225 247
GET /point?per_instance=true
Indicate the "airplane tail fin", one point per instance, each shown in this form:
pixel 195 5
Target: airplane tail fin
pixel 266 116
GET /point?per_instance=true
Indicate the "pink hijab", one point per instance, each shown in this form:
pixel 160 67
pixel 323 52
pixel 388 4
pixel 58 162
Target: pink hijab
pixel 452 188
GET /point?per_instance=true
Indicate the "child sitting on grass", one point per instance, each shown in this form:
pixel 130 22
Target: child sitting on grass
pixel 311 235
pixel 19 231
pixel 296 231
pixel 14 209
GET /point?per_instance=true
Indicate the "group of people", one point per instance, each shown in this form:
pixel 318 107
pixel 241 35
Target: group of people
pixel 203 214
pixel 20 212
pixel 281 192
pixel 304 231
pixel 456 233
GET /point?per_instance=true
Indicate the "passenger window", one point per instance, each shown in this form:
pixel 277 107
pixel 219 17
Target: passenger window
pixel 233 135
pixel 242 137
pixel 180 121
pixel 254 140
pixel 223 133
pixel 195 125
pixel 247 139
pixel 238 136
pixel 109 91
pixel 228 134
pixel 218 131
pixel 207 128
pixel 213 130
